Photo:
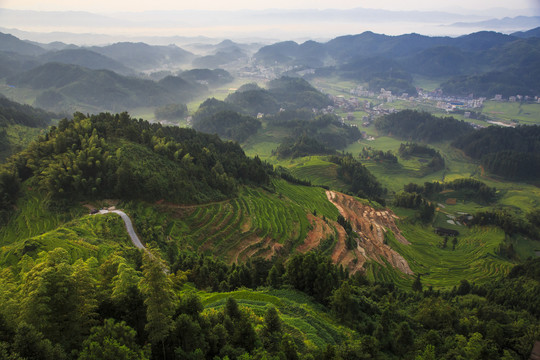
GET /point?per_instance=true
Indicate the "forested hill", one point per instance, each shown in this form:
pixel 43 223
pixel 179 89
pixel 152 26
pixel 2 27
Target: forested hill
pixel 13 113
pixel 509 152
pixel 283 93
pixel 117 156
pixel 19 124
pixel 422 126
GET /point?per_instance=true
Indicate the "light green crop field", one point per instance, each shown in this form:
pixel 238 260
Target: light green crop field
pixel 335 85
pixel 317 170
pixel 310 198
pixel 525 114
pixel 473 259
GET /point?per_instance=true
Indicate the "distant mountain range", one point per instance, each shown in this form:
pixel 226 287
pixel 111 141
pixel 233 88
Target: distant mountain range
pixel 117 76
pixel 389 61
pixel 256 24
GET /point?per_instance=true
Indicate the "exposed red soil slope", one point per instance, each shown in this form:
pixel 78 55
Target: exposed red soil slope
pixel 370 225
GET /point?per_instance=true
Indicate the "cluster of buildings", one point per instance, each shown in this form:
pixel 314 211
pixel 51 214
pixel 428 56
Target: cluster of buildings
pixel 518 98
pixel 450 103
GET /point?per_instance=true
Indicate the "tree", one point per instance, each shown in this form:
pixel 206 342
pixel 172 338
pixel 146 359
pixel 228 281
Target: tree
pixel 84 277
pixel 113 341
pixel 288 347
pixel 30 345
pixel 189 335
pixel 50 297
pixel 464 287
pixel 271 333
pixel 427 354
pixel 404 338
pixel 417 284
pixel 157 288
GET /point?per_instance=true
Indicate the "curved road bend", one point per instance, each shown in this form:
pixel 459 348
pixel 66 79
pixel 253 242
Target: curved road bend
pixel 129 227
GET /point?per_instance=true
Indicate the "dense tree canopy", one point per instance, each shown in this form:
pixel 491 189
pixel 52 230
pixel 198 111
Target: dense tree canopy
pixel 508 152
pixel 114 155
pixel 422 126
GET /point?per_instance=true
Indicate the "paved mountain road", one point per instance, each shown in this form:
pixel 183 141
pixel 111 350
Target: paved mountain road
pixel 129 227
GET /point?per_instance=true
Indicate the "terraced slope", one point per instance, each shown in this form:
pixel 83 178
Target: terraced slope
pixel 302 318
pixel 257 223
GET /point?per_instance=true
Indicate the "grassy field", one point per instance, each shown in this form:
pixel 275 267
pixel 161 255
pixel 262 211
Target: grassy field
pixel 317 170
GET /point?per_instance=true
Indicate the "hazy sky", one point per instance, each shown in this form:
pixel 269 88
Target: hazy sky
pixel 131 5
pixel 131 18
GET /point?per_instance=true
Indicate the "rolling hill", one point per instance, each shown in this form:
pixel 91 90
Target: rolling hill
pixel 10 43
pixel 67 85
pixel 85 58
pixel 144 57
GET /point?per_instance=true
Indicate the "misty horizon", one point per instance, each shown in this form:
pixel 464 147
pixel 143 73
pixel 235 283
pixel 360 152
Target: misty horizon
pixel 266 26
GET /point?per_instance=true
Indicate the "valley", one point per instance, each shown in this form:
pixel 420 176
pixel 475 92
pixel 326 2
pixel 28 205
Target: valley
pixel 369 196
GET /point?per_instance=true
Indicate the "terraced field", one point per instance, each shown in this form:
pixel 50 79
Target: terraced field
pixel 302 318
pixel 317 170
pixel 33 218
pixel 257 223
pixel 88 236
pixel 473 259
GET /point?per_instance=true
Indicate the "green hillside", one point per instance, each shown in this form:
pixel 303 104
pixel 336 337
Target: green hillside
pixel 228 273
pixel 75 86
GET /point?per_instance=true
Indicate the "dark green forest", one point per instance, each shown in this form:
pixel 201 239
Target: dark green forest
pixel 361 182
pixel 286 93
pixel 114 155
pixel 302 146
pixel 512 153
pixel 422 126
pixel 228 124
pixel 125 306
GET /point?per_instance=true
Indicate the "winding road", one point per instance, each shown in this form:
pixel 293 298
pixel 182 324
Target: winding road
pixel 129 227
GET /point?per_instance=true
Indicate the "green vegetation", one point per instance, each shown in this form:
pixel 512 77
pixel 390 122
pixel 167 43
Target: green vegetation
pixel 431 158
pixel 19 125
pixel 508 152
pixel 379 73
pixel 171 111
pixel 250 225
pixel 304 146
pixel 116 156
pixel 421 126
pixel 227 124
pixel 109 304
pixel 508 112
pixel 360 181
pixel 213 78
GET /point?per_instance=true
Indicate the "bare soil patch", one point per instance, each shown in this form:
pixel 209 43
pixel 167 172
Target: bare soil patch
pixel 370 225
